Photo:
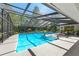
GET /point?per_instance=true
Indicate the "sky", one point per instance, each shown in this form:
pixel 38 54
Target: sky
pixel 43 9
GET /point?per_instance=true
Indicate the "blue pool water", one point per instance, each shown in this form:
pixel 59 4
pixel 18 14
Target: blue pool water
pixel 26 41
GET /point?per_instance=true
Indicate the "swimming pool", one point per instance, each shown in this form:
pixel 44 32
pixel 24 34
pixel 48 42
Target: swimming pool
pixel 26 41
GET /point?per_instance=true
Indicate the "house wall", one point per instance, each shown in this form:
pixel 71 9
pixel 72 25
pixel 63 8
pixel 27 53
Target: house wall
pixel 69 9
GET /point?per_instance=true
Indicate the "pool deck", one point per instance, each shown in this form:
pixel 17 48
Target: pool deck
pixel 60 47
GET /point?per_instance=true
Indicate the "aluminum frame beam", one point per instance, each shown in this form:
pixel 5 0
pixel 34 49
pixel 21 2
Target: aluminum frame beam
pixel 58 21
pixel 52 7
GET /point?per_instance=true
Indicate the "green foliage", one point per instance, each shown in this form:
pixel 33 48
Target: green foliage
pixel 18 19
pixel 54 28
pixel 18 22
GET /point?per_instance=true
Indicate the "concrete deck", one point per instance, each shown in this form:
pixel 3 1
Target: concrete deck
pixel 68 39
pixel 8 47
pixel 48 50
pixel 74 50
pixel 58 47
pixel 64 44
